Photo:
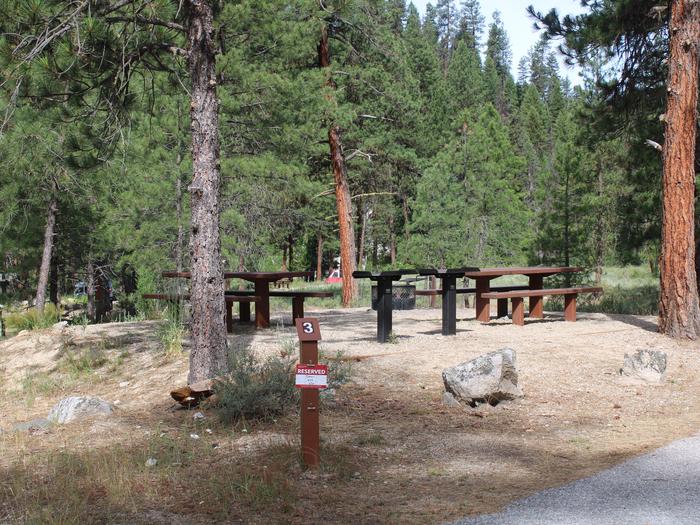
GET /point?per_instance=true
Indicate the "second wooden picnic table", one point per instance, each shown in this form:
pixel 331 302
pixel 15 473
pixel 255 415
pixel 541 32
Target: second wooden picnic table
pixel 261 282
pixel 535 275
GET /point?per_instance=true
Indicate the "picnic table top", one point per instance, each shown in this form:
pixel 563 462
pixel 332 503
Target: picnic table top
pixel 447 272
pixel 523 270
pixel 360 274
pixel 247 276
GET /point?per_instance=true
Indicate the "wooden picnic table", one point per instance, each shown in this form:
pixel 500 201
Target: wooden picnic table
pixel 261 282
pixel 535 274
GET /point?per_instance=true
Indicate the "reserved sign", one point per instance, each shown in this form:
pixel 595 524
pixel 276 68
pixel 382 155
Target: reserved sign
pixel 312 376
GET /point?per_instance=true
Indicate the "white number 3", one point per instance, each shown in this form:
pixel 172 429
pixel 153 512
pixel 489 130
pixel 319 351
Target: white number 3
pixel 308 328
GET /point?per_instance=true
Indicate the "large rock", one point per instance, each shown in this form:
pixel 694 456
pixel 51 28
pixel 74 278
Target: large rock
pixel 645 365
pixel 75 408
pixel 489 378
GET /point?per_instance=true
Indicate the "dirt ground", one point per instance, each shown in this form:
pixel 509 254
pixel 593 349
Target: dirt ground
pixel 394 452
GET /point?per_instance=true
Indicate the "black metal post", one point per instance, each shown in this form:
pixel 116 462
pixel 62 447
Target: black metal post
pixel 449 304
pixel 384 307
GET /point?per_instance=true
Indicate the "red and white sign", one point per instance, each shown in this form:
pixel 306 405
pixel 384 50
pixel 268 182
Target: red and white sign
pixel 312 376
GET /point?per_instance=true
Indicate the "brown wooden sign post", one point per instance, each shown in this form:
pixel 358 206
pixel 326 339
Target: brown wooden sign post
pixel 310 378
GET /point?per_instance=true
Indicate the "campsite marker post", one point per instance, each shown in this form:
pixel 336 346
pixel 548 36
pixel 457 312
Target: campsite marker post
pixel 310 378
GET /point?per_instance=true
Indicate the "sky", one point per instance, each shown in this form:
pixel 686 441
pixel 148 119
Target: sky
pixel 518 24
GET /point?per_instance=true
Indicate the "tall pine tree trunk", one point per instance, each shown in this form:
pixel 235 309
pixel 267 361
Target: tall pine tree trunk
pixel 46 254
pixel 209 355
pixel 342 190
pixel 679 312
pixel 90 291
pixel 319 257
pixel 53 280
pixel 363 234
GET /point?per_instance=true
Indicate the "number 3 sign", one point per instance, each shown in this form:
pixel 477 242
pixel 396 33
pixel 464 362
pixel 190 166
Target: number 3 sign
pixel 308 329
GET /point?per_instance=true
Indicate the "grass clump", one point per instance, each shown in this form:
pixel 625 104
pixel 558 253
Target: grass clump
pixel 256 389
pixel 171 334
pixel 33 319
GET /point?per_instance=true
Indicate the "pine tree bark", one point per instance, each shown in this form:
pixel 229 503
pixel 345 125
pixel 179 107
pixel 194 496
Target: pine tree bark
pixel 209 355
pixel 342 190
pixel 679 312
pixel 90 291
pixel 53 280
pixel 49 232
pixel 319 257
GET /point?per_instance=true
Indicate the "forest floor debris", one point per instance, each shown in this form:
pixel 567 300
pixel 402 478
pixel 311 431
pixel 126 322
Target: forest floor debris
pixel 392 452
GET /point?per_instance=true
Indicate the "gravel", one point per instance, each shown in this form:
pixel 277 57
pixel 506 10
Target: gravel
pixel 658 488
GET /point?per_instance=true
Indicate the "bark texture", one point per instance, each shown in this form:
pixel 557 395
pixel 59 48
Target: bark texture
pixel 679 313
pixel 209 355
pixel 342 190
pixel 90 291
pixel 46 254
pixel 319 258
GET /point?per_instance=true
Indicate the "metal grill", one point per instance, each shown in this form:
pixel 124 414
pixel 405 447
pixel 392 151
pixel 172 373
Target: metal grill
pixel 403 297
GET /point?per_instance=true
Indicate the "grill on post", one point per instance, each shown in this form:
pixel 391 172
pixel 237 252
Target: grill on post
pixel 403 297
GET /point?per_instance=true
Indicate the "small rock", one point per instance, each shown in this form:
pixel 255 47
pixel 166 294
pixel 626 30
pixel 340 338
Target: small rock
pixel 645 365
pixel 123 384
pixel 208 430
pixel 60 325
pixel 490 378
pixel 151 462
pixel 34 425
pixel 198 416
pixel 194 436
pixel 450 400
pixel 78 407
pixel 117 401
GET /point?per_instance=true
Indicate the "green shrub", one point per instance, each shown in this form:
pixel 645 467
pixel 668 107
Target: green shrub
pixel 33 319
pixel 256 389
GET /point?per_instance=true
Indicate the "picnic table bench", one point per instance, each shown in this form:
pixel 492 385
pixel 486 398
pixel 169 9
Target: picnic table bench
pixel 502 304
pixel 517 296
pixel 298 297
pixel 230 298
pixel 535 275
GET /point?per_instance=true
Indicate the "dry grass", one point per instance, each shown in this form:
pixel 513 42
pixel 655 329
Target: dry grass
pixel 391 451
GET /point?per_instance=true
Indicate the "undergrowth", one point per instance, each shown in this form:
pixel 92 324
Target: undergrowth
pixel 256 389
pixel 33 319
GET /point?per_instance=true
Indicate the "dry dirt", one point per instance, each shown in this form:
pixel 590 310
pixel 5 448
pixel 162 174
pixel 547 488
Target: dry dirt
pixel 407 457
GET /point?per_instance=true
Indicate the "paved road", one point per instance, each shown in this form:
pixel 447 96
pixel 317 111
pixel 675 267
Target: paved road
pixel 658 488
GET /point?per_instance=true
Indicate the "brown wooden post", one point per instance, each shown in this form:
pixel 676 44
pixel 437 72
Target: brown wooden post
pixel 262 307
pixel 309 334
pixel 518 311
pixel 502 308
pixel 536 303
pixel 483 313
pixel 297 307
pixel 570 307
pixel 433 285
pixel 229 317
pixel 244 311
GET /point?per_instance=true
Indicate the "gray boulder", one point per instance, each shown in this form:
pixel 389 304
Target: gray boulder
pixel 645 365
pixel 490 378
pixel 75 408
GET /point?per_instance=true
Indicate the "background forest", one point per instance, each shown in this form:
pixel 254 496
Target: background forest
pixel 450 159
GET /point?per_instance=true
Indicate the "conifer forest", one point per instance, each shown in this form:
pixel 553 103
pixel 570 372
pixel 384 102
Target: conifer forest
pixel 256 135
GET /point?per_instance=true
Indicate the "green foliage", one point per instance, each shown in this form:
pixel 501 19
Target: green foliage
pixel 256 388
pixel 449 160
pixel 33 319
